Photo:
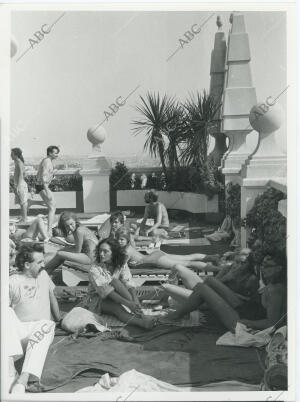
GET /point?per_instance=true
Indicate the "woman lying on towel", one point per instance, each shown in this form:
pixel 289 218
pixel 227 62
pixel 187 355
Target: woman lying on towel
pixel 37 231
pixel 83 252
pixel 161 259
pixel 111 286
pixel 269 308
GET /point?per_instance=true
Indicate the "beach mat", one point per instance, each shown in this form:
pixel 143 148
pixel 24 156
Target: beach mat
pixel 183 357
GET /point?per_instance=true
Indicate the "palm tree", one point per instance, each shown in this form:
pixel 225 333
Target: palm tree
pixel 200 114
pixel 156 113
pixel 175 118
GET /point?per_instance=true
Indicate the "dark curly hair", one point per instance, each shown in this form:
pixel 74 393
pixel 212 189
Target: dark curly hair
pixel 280 277
pixel 25 254
pixel 118 215
pixel 151 196
pixel 64 216
pixel 118 258
pixel 52 148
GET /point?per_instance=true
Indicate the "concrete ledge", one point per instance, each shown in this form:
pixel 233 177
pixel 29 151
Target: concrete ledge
pixel 279 184
pixel 190 202
pixel 64 200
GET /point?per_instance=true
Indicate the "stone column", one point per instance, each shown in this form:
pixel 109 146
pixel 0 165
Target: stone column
pixel 239 97
pixel 268 163
pixel 95 175
pixel 217 78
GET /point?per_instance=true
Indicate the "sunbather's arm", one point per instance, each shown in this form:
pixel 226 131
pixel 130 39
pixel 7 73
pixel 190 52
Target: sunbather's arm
pixel 157 221
pixel 117 298
pixel 134 296
pixel 78 236
pixel 54 306
pixel 145 217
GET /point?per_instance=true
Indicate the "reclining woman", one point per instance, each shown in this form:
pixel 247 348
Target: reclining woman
pixel 161 259
pixel 111 286
pixel 83 252
pixel 267 311
pixel 37 231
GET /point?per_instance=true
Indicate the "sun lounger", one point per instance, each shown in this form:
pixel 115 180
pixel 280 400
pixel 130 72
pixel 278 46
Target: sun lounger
pixel 95 221
pixel 187 242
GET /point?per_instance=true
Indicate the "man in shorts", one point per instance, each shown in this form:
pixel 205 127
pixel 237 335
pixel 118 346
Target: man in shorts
pixel 44 177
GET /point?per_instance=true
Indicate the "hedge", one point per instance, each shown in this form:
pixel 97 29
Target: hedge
pixel 267 224
pixel 63 182
pixel 207 180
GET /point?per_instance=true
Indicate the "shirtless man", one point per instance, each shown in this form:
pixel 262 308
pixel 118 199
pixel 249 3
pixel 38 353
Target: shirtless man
pixel 157 211
pixel 44 177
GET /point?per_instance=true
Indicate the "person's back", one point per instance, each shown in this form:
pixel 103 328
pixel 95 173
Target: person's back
pixel 153 210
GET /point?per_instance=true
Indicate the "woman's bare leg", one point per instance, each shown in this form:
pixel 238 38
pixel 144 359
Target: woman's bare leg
pixel 201 266
pixel 222 290
pixel 66 254
pixel 37 227
pixel 220 299
pixel 189 278
pixel 110 307
pixel 24 212
pixel 187 257
pixel 120 288
pixel 178 293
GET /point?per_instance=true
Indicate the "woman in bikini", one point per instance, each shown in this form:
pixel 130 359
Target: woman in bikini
pixel 83 252
pixel 161 259
pixel 111 286
pixel 20 185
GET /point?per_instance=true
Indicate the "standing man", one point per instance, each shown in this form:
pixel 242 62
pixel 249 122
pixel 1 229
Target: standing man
pixel 44 177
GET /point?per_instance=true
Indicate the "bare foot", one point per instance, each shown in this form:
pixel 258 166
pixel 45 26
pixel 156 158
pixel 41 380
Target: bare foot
pixel 22 221
pixel 169 318
pixel 213 258
pixel 211 267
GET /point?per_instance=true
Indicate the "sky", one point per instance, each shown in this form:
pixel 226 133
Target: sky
pixel 63 85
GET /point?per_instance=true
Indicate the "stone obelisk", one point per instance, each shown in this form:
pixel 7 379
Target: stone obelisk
pixel 217 78
pixel 239 98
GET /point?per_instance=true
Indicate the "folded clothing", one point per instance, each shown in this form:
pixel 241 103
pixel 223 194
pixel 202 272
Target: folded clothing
pixel 79 318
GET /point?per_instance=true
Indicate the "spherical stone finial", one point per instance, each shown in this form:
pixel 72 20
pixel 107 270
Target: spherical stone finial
pixel 13 47
pixel 266 118
pixel 219 22
pixel 96 135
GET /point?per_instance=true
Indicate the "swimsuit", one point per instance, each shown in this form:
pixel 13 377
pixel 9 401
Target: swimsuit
pixel 39 188
pixel 21 195
pixel 89 245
